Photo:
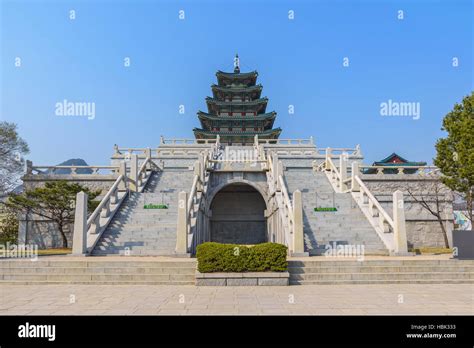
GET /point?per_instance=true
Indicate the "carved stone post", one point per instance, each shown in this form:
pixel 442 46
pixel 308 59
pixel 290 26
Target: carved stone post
pixel 148 152
pixel 343 170
pixel 328 156
pixel 198 172
pixel 298 234
pixel 355 187
pixel 400 232
pixel 79 242
pixel 182 230
pixel 134 173
pixel 279 173
pixel 123 172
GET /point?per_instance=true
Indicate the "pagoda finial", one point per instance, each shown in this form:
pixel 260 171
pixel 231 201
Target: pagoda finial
pixel 236 64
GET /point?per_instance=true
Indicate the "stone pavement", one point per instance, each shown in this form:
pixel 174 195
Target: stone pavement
pixel 410 299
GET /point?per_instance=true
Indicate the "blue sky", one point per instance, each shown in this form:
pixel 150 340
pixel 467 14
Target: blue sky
pixel 173 63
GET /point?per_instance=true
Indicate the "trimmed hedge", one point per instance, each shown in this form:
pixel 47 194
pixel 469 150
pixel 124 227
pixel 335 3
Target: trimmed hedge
pixel 265 257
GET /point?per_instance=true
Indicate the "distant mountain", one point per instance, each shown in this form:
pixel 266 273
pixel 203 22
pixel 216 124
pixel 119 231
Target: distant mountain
pixel 73 162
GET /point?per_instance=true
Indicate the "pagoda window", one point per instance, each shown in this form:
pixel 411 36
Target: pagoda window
pixel 230 129
pixel 230 113
pixel 243 113
pixel 243 129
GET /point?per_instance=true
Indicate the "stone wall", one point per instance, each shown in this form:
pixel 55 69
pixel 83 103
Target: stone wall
pixel 42 232
pixel 423 229
pixel 91 181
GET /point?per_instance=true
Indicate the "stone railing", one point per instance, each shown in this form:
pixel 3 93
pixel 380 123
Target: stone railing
pixel 71 170
pixel 87 231
pixel 334 151
pixel 191 228
pixel 399 169
pixel 164 141
pixel 162 151
pixel 292 142
pixel 392 231
pixel 286 219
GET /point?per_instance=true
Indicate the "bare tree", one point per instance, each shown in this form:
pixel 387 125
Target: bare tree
pixel 431 195
pixel 12 150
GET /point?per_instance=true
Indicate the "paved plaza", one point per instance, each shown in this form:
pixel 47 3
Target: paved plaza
pixel 430 299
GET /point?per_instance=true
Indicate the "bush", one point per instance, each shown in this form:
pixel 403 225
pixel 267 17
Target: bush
pixel 8 227
pixel 265 257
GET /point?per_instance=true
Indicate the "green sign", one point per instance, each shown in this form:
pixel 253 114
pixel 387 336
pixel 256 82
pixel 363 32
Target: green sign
pixel 325 209
pixel 155 206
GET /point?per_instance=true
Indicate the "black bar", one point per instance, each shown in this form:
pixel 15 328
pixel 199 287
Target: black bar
pixel 309 331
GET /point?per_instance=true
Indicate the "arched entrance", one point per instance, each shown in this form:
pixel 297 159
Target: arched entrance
pixel 238 215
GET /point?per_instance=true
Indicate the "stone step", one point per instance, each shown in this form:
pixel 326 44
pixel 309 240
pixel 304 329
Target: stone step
pixel 101 263
pixel 384 262
pixel 100 270
pixel 383 276
pixel 391 281
pixel 99 277
pixel 378 269
pixel 96 282
pixel 131 252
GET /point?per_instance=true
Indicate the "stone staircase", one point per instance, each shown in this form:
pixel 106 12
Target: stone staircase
pixel 348 225
pixel 320 272
pixel 137 231
pixel 123 271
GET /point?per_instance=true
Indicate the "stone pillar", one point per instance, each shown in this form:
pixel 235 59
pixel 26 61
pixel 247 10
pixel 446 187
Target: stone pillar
pixel 123 172
pixel 79 241
pixel 343 170
pixel 328 156
pixel 28 167
pixel 400 232
pixel 298 234
pixel 182 229
pixel 355 187
pixel 148 152
pixel 279 173
pixel 198 172
pixel 134 173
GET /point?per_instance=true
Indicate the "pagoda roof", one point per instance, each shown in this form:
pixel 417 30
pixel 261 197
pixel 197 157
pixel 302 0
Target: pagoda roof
pixel 237 75
pixel 270 132
pixel 214 101
pixel 236 89
pixel 259 117
pixel 394 159
pixel 249 79
pixel 256 105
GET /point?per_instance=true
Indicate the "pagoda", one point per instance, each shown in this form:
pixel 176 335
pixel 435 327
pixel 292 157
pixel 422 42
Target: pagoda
pixel 394 160
pixel 236 112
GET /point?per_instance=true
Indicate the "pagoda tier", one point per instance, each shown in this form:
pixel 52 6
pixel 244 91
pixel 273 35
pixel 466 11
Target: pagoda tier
pixel 236 78
pixel 224 108
pixel 237 112
pixel 233 137
pixel 236 93
pixel 261 121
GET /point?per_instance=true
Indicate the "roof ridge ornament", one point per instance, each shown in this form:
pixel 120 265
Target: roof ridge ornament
pixel 236 64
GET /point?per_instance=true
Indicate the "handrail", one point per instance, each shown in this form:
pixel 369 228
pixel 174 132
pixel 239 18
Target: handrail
pixel 374 201
pixel 287 199
pixel 192 195
pixel 104 201
pixel 72 168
